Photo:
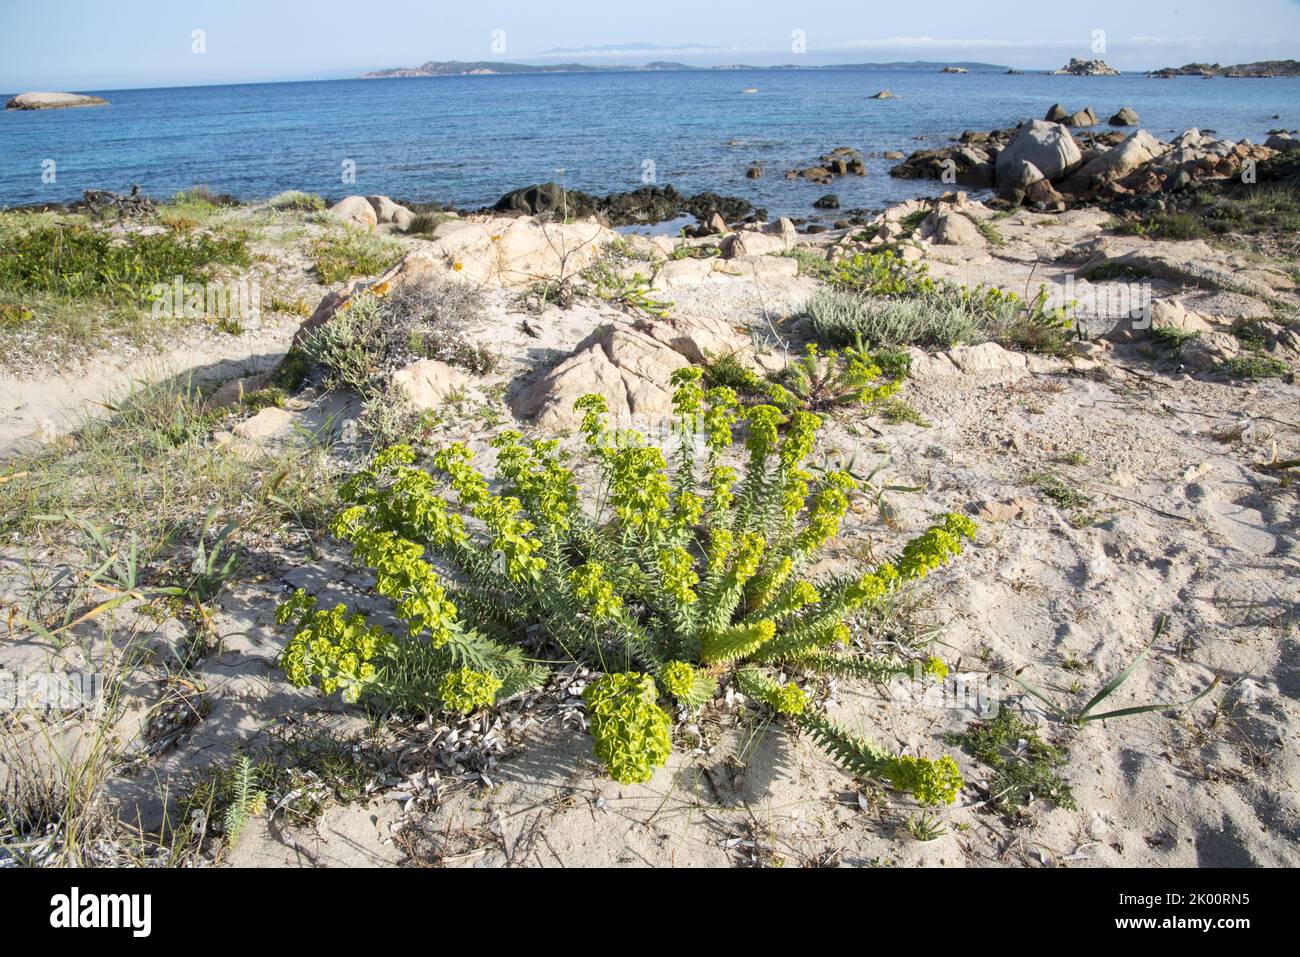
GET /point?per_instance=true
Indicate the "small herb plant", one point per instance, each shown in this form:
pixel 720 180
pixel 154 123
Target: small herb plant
pixel 818 381
pixel 670 580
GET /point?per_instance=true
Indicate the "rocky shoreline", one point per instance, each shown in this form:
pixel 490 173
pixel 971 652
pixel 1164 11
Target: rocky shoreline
pixel 1055 163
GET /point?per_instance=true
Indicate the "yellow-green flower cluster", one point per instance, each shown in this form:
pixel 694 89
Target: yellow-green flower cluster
pixel 511 534
pixel 331 649
pixel 721 542
pixel 594 409
pixel 677 573
pixel 788 699
pixel 688 509
pixel 931 782
pixel 763 422
pixel 799 439
pixel 401 496
pixel 721 481
pixel 719 418
pixel 678 679
pixel 829 504
pixel 933 549
pixel 862 372
pixel 935 668
pixel 749 555
pixel 794 492
pixel 465 690
pixel 631 731
pixel 537 477
pixel 872 587
pixel 688 397
pixel 592 588
pixel 798 597
pixel 401 575
pixel 640 488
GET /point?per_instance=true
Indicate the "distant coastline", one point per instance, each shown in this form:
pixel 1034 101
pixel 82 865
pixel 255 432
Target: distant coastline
pixel 493 68
pixel 1263 69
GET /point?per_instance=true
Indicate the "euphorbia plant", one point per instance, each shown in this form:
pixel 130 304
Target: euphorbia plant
pixel 671 579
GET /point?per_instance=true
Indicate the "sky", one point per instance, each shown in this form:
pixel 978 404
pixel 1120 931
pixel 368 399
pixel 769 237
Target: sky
pixel 120 44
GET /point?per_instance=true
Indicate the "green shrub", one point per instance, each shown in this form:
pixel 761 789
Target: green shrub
pixel 83 261
pixel 683 576
pixel 297 200
pixel 1031 325
pixel 424 224
pixel 1172 338
pixel 1255 367
pixel 1170 225
pixel 817 382
pixel 340 256
pixel 940 317
pixel 933 321
pixel 375 335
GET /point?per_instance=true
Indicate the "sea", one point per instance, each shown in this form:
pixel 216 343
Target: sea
pixel 466 140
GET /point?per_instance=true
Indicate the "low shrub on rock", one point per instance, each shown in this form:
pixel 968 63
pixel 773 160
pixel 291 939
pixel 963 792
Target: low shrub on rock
pixel 363 345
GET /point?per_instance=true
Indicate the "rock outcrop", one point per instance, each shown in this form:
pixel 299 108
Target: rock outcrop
pixel 1048 146
pixel 1083 118
pixel 1078 67
pixel 1125 117
pixel 630 366
pixel 53 101
pixel 355 211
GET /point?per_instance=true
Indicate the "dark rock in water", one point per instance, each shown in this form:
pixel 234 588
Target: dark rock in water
pixel 703 206
pixel 886 95
pixel 532 200
pixel 1084 118
pixel 969 163
pixel 755 171
pixel 844 160
pixel 818 174
pixel 1125 117
pixel 649 204
pixel 829 201
pixel 816 228
pixel 1057 114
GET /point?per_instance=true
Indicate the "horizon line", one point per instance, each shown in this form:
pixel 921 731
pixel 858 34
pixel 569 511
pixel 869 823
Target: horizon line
pixel 603 68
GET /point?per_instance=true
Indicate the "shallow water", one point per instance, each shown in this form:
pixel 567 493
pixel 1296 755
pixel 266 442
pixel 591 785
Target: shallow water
pixel 467 140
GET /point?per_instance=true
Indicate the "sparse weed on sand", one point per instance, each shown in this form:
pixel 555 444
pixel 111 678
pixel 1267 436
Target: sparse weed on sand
pixel 68 286
pixel 342 255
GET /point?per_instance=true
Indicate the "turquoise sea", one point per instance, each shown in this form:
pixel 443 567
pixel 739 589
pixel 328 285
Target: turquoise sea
pixel 466 140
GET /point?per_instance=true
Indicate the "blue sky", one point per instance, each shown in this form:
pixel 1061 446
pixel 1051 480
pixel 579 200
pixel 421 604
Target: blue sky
pixel 97 44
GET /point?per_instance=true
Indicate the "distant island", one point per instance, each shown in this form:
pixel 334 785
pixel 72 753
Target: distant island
pixel 492 68
pixel 1077 67
pixel 489 68
pixel 1265 69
